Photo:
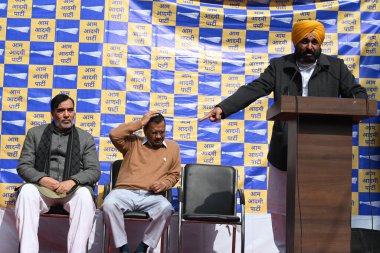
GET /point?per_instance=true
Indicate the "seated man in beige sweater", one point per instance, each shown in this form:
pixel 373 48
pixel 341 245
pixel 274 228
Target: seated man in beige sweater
pixel 151 165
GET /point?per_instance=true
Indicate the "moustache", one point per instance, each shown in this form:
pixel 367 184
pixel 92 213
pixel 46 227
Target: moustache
pixel 308 52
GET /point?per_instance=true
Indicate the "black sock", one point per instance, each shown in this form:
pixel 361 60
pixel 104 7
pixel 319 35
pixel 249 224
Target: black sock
pixel 142 247
pixel 125 249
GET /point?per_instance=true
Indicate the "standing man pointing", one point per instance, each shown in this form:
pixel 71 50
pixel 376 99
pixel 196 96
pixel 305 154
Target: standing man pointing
pixel 306 72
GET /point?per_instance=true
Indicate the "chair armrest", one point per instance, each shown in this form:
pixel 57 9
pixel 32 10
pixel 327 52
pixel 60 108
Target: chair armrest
pixel 169 195
pixel 241 196
pixel 180 197
pixel 107 189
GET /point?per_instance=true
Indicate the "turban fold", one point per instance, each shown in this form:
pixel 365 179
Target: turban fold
pixel 303 28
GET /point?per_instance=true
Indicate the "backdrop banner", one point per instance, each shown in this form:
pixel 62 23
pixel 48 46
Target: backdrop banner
pixel 119 59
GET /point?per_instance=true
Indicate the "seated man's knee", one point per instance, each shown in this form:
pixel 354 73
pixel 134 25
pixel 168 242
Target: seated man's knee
pixel 109 204
pixel 29 191
pixel 84 195
pixel 167 209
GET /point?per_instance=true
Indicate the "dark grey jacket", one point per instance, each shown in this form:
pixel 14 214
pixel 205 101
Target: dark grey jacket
pixel 331 78
pixel 89 172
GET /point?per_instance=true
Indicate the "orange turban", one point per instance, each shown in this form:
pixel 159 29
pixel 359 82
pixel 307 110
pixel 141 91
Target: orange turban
pixel 302 28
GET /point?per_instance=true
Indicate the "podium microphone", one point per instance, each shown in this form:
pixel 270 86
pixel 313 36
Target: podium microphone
pixel 287 88
pixel 336 78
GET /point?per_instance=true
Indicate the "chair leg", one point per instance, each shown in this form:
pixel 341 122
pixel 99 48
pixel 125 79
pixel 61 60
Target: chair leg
pixel 167 237
pixel 163 238
pixel 233 238
pixel 242 226
pixel 104 238
pixel 242 238
pixel 179 235
pixel 108 234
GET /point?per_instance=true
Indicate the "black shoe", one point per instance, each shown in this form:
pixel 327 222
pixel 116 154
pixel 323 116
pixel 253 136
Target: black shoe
pixel 124 249
pixel 142 248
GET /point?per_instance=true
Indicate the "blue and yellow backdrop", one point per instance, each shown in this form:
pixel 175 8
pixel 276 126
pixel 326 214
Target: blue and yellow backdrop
pixel 119 59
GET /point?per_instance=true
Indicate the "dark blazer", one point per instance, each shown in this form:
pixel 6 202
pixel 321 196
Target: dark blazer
pixel 331 78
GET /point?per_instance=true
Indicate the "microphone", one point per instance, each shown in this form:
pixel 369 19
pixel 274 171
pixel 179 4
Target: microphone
pixel 352 93
pixel 336 78
pixel 287 88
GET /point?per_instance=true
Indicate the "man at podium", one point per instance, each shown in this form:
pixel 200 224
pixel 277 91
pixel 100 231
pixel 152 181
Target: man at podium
pixel 306 72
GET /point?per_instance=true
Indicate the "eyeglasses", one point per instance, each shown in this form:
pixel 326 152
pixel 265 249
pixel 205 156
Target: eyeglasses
pixel 63 110
pixel 157 132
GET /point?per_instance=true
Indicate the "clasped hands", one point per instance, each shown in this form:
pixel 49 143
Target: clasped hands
pixel 56 186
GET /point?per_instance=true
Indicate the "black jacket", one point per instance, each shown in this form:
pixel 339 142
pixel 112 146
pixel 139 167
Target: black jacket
pixel 331 78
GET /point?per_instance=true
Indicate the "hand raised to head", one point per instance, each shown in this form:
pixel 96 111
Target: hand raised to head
pixel 147 116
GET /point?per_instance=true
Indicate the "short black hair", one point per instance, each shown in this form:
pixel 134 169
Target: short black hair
pixel 156 119
pixel 54 103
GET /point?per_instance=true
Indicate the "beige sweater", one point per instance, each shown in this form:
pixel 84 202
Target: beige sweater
pixel 143 165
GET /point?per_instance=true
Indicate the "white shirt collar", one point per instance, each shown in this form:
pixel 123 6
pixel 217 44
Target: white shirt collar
pixel 145 140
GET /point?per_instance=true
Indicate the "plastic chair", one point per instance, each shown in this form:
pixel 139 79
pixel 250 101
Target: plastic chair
pixel 208 194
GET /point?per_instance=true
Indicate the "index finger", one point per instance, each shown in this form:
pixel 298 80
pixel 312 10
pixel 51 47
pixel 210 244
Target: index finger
pixel 207 116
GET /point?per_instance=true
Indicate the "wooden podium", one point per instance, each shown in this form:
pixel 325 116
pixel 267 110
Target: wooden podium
pixel 319 170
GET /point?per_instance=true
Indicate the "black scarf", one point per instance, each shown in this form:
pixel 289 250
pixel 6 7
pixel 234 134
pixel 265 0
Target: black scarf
pixel 72 161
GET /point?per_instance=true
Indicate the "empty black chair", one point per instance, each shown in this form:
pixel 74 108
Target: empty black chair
pixel 208 194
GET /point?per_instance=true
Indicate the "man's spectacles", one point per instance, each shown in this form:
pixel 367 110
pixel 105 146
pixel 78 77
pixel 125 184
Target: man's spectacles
pixel 62 110
pixel 157 132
